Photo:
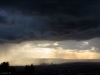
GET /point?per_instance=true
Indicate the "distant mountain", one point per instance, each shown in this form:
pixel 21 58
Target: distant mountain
pixel 36 61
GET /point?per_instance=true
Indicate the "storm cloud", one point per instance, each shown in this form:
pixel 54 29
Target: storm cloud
pixel 52 20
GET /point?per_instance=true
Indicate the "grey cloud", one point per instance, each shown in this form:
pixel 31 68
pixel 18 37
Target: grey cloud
pixel 48 20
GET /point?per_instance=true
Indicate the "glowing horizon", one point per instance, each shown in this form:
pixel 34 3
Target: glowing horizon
pixel 29 50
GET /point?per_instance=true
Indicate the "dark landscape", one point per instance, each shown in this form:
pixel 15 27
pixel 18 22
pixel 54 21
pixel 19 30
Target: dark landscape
pixel 73 68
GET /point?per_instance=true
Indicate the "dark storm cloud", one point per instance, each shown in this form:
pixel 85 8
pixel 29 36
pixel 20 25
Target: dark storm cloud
pixel 49 20
pixel 2 19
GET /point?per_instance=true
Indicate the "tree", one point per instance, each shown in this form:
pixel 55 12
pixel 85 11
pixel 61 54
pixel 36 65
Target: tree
pixel 4 67
pixel 29 69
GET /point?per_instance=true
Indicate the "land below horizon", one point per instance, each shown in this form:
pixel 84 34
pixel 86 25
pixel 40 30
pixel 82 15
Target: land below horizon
pixel 75 68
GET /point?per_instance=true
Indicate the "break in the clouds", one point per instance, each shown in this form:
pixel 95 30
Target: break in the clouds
pixel 37 52
pixel 49 20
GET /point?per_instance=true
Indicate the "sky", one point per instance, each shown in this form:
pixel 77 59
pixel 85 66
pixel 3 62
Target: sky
pixel 52 30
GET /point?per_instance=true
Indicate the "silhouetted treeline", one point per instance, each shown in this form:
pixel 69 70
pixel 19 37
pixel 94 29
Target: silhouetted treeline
pixel 5 68
pixel 78 68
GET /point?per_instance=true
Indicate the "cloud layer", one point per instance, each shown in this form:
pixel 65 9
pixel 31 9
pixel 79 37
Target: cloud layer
pixel 49 20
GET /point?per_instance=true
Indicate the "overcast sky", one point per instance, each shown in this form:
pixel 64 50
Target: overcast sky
pixel 32 29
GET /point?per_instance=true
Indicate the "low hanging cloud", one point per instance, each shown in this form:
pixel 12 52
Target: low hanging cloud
pixel 48 20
